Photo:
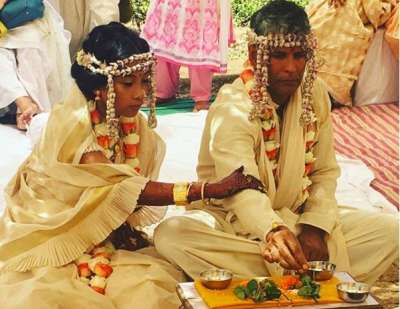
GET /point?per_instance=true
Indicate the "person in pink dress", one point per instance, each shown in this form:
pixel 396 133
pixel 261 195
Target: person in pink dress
pixel 194 33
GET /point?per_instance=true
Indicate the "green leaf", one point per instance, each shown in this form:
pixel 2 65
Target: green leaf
pixel 240 292
pixel 252 286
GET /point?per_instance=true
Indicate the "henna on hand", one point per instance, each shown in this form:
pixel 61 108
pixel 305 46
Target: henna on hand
pixel 234 183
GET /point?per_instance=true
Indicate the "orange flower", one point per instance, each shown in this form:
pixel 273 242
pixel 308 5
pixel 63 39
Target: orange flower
pixel 309 145
pixel 269 134
pixel 84 270
pixel 103 141
pixel 98 290
pixel 131 150
pixel 247 75
pixel 103 270
pixel 272 154
pixel 308 168
pixel 95 116
pixel 128 127
pixel 289 282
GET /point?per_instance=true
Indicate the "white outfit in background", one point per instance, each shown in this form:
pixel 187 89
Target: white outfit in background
pixel 81 16
pixel 34 61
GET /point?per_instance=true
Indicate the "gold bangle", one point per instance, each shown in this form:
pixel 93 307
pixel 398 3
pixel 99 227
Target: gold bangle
pixel 179 192
pixel 3 29
pixel 187 192
pixel 205 201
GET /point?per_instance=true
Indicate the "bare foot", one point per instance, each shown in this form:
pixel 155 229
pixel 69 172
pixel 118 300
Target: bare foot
pixel 201 105
pixel 27 108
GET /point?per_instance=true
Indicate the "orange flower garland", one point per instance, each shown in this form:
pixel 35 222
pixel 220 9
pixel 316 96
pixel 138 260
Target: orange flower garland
pixel 270 131
pixel 94 267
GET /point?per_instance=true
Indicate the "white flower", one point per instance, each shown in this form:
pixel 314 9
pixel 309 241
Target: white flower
pixel 108 153
pixel 250 85
pixel 99 259
pixel 306 183
pixel 103 249
pixel 132 162
pixel 101 129
pixel 98 282
pixel 310 136
pixel 309 157
pixel 84 280
pixel 267 124
pixel 84 258
pixel 132 139
pixel 271 145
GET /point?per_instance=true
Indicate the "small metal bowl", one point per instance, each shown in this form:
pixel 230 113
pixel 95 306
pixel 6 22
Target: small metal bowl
pixel 321 270
pixel 353 292
pixel 216 279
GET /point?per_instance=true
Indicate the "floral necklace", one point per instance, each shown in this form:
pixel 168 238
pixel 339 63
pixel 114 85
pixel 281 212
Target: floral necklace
pixel 123 148
pixel 94 266
pixel 270 131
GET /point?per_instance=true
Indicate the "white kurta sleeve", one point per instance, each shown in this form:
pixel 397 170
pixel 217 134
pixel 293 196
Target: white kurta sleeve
pixel 102 12
pixel 11 87
pixel 321 206
pixel 232 144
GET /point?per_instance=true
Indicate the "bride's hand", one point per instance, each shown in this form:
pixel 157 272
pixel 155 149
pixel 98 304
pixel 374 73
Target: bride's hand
pixel 234 183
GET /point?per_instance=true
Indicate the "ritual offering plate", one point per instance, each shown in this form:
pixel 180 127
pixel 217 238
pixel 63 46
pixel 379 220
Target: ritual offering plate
pixel 353 292
pixel 321 270
pixel 276 292
pixel 216 279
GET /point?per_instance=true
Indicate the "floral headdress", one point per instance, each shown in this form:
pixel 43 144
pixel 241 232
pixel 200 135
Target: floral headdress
pixel 127 66
pixel 264 44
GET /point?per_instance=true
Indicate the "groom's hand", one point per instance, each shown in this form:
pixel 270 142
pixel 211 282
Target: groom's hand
pixel 312 240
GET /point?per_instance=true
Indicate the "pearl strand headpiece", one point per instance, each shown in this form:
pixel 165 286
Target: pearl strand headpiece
pixel 135 63
pixel 264 44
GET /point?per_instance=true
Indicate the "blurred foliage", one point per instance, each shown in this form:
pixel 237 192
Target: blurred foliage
pixel 135 10
pixel 242 10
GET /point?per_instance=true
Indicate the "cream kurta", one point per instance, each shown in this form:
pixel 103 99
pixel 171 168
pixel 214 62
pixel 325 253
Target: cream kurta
pixel 81 16
pixel 231 140
pixel 57 208
pixel 344 35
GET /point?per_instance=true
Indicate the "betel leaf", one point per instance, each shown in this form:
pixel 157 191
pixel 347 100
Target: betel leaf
pixel 271 289
pixel 240 292
pixel 310 289
pixel 258 291
pixel 252 286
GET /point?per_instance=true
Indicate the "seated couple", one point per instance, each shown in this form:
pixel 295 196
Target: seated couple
pixel 70 231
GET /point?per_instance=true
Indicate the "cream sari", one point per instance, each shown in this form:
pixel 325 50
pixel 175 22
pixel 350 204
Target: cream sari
pixel 58 208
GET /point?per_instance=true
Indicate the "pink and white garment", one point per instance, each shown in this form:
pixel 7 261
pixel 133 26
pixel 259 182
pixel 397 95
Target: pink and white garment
pixel 190 32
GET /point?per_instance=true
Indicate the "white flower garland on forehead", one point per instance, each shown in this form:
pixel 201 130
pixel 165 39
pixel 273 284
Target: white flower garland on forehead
pixel 135 63
pixel 264 44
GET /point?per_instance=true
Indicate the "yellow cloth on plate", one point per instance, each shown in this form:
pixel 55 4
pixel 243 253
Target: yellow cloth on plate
pixel 226 299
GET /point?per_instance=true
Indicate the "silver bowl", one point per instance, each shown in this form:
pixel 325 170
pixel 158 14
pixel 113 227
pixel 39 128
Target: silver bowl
pixel 321 270
pixel 216 279
pixel 353 292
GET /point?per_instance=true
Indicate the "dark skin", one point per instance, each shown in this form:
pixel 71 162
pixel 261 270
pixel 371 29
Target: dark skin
pixel 130 93
pixel 285 70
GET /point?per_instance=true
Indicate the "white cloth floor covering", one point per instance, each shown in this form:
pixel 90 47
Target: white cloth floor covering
pixel 182 134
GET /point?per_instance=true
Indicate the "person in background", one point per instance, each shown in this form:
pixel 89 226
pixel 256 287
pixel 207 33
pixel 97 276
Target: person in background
pixel 34 65
pixel 344 30
pixel 195 34
pixel 81 16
